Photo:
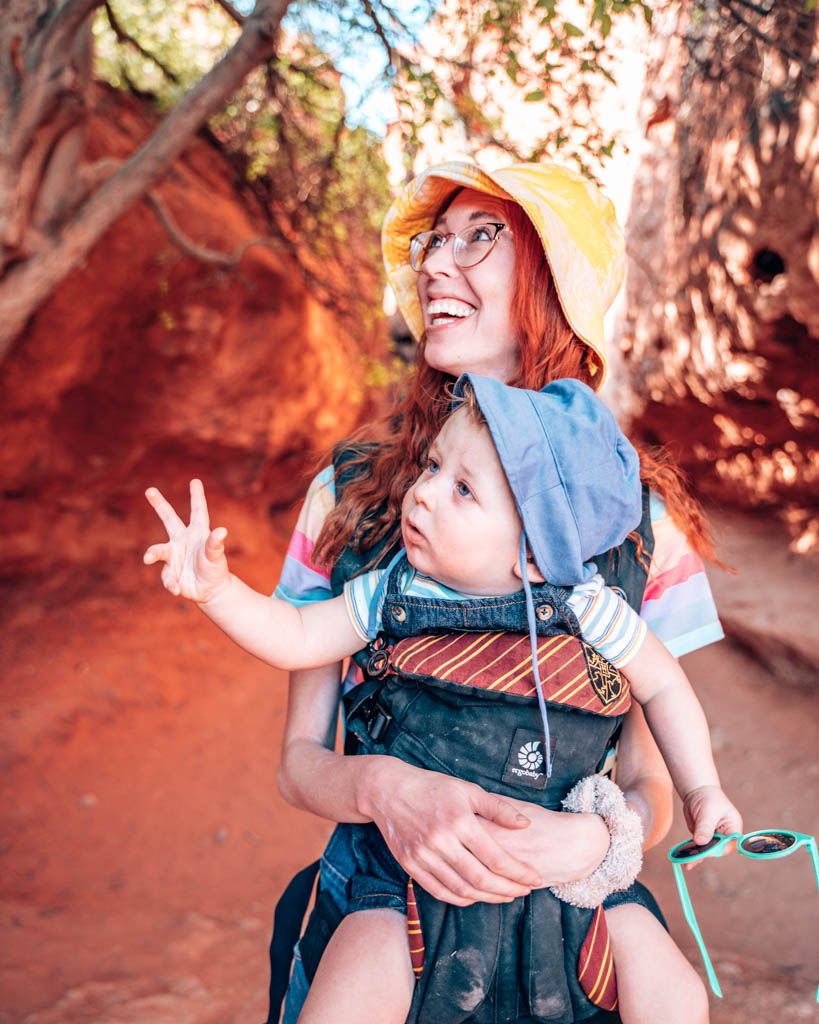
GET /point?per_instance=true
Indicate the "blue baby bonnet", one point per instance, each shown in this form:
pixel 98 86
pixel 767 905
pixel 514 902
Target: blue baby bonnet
pixel 574 475
pixel 575 479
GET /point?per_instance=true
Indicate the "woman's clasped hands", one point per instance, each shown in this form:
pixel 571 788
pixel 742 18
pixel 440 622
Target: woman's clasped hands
pixel 194 555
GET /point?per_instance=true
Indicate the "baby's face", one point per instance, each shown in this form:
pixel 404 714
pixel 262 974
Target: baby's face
pixel 459 521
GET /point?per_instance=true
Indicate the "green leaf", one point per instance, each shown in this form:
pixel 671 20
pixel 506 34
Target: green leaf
pixel 572 30
pixel 605 25
pixel 535 96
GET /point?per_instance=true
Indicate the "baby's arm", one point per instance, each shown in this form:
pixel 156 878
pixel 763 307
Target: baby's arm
pixel 674 714
pixel 196 568
pixel 680 728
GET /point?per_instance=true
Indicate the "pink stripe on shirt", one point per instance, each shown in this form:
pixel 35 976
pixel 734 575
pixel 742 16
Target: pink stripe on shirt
pixel 301 550
pixel 689 565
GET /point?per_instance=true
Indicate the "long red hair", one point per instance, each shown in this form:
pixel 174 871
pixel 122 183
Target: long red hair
pixel 370 508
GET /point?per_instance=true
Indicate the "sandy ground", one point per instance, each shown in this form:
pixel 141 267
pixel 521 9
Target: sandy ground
pixel 144 843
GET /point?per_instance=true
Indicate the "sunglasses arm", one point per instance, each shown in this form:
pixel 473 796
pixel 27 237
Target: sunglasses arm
pixel 690 917
pixel 810 842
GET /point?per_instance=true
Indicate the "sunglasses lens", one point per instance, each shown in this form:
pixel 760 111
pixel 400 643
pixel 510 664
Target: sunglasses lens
pixel 691 849
pixel 768 842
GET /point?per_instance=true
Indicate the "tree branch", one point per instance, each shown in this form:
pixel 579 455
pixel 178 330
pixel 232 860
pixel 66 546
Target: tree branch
pixel 201 252
pixel 230 10
pixel 803 62
pixel 59 31
pixel 28 284
pixel 28 179
pixel 46 75
pixel 379 30
pixel 125 37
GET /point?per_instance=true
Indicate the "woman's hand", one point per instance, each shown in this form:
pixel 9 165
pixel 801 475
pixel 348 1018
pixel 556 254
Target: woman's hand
pixel 567 847
pixel 194 555
pixel 562 847
pixel 437 829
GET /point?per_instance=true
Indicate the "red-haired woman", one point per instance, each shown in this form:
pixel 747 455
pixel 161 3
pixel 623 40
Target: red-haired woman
pixel 506 275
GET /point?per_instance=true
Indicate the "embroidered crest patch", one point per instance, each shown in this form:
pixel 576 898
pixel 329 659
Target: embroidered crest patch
pixel 604 677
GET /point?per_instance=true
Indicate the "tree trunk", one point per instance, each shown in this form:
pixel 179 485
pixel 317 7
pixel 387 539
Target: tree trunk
pixel 43 252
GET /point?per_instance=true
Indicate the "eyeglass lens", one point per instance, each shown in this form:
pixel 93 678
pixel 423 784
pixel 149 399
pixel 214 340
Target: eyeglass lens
pixel 768 842
pixel 691 849
pixel 470 246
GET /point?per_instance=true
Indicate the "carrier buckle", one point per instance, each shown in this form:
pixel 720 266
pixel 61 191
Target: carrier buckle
pixel 377 725
pixel 379 661
pixel 371 714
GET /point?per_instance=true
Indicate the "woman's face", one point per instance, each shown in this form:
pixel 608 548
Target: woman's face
pixel 467 313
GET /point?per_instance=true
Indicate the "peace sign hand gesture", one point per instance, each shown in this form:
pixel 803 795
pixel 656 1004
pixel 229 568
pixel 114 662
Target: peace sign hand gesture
pixel 194 555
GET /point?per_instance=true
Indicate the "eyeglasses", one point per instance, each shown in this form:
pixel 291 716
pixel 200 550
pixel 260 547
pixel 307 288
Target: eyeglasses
pixel 765 844
pixel 471 246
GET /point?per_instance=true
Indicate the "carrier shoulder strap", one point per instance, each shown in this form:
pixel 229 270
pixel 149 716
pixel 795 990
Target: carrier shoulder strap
pixel 350 562
pixel 626 568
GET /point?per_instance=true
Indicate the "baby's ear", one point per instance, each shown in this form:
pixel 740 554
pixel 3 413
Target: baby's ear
pixel 532 570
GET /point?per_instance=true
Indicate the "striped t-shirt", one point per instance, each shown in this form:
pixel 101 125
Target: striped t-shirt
pixel 607 623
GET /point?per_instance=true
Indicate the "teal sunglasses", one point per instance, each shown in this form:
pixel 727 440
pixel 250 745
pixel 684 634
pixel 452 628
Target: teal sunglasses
pixel 764 844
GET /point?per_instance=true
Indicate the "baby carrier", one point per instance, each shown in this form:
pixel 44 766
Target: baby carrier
pixel 444 690
pixel 412 679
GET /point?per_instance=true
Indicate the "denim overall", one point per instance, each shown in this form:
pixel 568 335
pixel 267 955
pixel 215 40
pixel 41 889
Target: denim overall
pixel 517 928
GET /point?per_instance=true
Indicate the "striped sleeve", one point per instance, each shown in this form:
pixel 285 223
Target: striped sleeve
pixel 606 621
pixel 358 596
pixel 678 605
pixel 301 582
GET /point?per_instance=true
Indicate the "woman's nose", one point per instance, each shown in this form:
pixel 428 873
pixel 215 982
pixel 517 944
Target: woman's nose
pixel 440 262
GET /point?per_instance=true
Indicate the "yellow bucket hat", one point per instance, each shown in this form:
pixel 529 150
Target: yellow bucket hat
pixel 576 223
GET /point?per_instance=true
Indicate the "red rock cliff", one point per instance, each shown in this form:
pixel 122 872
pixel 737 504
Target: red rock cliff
pixel 148 366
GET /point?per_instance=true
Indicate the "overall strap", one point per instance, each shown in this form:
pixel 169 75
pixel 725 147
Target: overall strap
pixel 530 619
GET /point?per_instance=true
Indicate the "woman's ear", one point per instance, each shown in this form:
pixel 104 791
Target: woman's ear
pixel 532 571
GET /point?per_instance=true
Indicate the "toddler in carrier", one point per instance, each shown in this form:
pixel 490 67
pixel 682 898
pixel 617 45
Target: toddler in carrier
pixel 520 488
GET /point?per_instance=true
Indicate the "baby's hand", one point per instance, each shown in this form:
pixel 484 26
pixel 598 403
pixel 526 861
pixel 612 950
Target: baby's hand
pixel 708 810
pixel 194 556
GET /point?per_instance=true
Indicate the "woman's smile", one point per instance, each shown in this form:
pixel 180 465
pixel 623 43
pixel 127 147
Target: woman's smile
pixel 442 312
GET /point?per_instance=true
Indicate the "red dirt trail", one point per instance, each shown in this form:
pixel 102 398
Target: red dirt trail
pixel 144 842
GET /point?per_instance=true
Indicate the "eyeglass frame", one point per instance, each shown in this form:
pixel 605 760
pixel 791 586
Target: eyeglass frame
pixel 445 236
pixel 715 851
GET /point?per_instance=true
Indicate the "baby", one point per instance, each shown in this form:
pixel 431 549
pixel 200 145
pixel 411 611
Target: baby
pixel 463 524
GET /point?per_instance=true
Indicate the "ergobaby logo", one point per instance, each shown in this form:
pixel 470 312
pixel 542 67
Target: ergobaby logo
pixel 524 763
pixel 530 760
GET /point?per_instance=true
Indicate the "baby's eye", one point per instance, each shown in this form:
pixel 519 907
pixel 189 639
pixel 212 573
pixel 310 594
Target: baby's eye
pixel 432 466
pixel 463 489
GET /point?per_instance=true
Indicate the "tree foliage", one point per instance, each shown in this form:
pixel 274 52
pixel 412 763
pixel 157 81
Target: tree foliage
pixel 321 182
pixel 273 101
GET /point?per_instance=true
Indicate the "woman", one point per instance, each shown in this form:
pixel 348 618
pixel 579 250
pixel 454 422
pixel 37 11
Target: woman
pixel 529 311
